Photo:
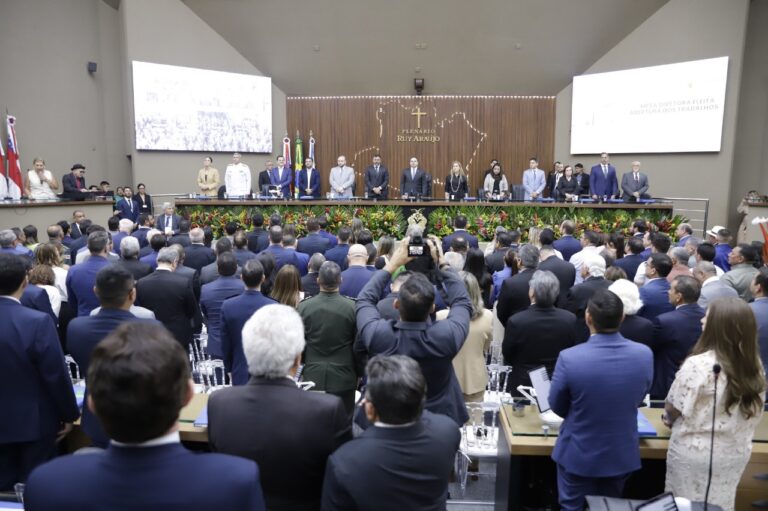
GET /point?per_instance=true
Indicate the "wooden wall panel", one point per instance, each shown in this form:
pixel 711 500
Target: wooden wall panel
pixel 471 129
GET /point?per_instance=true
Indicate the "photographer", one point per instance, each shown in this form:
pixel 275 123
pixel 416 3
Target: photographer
pixel 432 345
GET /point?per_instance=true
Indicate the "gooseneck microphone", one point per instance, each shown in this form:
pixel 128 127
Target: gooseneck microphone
pixel 715 369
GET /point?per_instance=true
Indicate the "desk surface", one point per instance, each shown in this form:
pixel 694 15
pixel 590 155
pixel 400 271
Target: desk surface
pixel 187 429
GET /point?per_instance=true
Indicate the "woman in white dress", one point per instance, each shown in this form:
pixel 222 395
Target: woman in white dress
pixel 39 184
pixel 729 339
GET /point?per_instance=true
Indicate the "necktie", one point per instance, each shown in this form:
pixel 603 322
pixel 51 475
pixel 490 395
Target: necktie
pixel 206 176
pixel 605 170
pixel 377 169
pixel 637 178
pixel 167 221
pixel 130 204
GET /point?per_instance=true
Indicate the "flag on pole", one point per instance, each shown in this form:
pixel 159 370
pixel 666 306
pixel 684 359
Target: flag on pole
pixel 287 156
pixel 299 165
pixel 14 166
pixel 3 178
pixel 311 153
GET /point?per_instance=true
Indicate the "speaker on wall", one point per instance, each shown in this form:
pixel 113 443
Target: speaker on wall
pixel 92 67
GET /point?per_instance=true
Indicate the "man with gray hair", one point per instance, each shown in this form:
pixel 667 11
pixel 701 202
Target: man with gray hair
pixel 691 246
pixel 56 237
pixel 513 296
pixel 536 335
pixel 197 254
pixel 455 260
pixel 129 258
pixel 592 273
pixel 711 287
pixel 679 256
pixel 8 244
pixel 170 296
pixel 168 222
pixel 405 459
pixel 81 278
pixel 263 420
pixel 124 228
pixel 309 281
pixel 683 232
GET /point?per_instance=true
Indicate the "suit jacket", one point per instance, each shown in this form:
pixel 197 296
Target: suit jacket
pixel 314 185
pixel 258 240
pixel 629 186
pixel 128 208
pixel 760 308
pixel 330 237
pixel 432 345
pixel 393 468
pixel 171 297
pixel 534 180
pixel 165 477
pixel 535 337
pixel 80 281
pixel 565 273
pixel 495 260
pixel 284 181
pixel 674 335
pixel 197 256
pixel 342 178
pixel 210 272
pixel 74 231
pixel 414 186
pixel 36 298
pixel 374 180
pixel 309 284
pixel 513 296
pixel 564 186
pixel 601 185
pixel 302 261
pixel 471 240
pixel 353 279
pixel 313 243
pixel 242 421
pixel 69 185
pixel 577 300
pixel 141 235
pixel 567 245
pixel 243 255
pixel 282 256
pixel 338 255
pixel 135 267
pixel 637 328
pixel 160 223
pixel 212 297
pixel 37 391
pixel 597 387
pixel 655 297
pixel 630 263
pixel 265 179
pixel 583 180
pixel 181 239
pixel 233 316
pixel 83 334
pixel 145 204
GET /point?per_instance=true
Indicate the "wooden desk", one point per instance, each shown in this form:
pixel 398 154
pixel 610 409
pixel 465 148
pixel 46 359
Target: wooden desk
pixel 187 429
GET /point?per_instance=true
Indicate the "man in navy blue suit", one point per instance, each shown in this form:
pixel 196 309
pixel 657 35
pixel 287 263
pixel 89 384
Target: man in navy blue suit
pixel 128 207
pixel 36 298
pixel 322 220
pixel 82 277
pixel 213 296
pixel 37 396
pixel 675 333
pixel 116 292
pixel 357 274
pixel 459 230
pixel 282 176
pixel 234 314
pixel 281 255
pixel 302 259
pixel 403 461
pixel 596 388
pixel 759 289
pixel 655 291
pixel 567 244
pixel 377 179
pixel 145 465
pixel 602 180
pixel 313 242
pixel 630 262
pixel 309 179
pixel 338 254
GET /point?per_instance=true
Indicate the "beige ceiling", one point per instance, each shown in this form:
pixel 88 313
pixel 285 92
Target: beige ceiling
pixel 528 47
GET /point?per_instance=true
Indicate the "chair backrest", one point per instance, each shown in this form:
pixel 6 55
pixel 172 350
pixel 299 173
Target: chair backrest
pixel 518 192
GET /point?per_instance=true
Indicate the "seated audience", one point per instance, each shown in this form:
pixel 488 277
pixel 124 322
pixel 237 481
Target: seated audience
pixel 212 297
pixel 742 260
pixel 655 292
pixel 633 327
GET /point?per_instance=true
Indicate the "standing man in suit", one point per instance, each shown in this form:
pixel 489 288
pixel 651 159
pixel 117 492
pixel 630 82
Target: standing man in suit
pixel 567 244
pixel 322 220
pixel 404 460
pixel 281 254
pixel 593 275
pixel 377 179
pixel 414 181
pixel 309 281
pixel 82 277
pixel 128 207
pixel 282 177
pixel 433 345
pixel 145 223
pixel 581 178
pixel 563 270
pixel 168 222
pixel 197 255
pixel 234 314
pixel 115 288
pixel 459 230
pixel 37 400
pixel 170 296
pixel 760 308
pixel 342 179
pixel 357 274
pixel 534 180
pixel 338 254
pixel 634 185
pixel 602 180
pixel 683 232
pixel 144 432
pixel 262 420
pixel 494 261
pixel 258 238
pixel 129 259
pixel 596 388
pixel 74 182
pixel 313 242
pixel 309 179
pixel 711 287
pixel 74 229
pixel 124 228
pixel 265 177
pixel 655 291
pixel 237 177
pixel 212 297
pixel 630 262
pixel 182 238
pixel 513 296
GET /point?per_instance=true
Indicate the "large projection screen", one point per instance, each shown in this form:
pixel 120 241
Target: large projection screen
pixel 675 108
pixel 187 109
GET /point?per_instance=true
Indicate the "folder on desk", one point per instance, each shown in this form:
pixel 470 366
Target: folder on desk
pixel 644 427
pixel 202 420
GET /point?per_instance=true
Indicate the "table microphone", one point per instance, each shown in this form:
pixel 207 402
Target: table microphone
pixel 715 369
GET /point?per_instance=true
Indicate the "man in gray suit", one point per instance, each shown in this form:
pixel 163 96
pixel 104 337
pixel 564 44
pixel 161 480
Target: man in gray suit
pixel 711 287
pixel 634 185
pixel 342 178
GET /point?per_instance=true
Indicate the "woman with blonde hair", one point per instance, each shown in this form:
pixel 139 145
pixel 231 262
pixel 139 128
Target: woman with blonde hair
pixel 469 362
pixel 456 187
pixel 287 288
pixel 728 346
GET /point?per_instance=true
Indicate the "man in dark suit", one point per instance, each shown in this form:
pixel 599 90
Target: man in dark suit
pixel 675 333
pixel 338 253
pixel 495 260
pixel 655 291
pixel 234 313
pixel 124 229
pixel 82 277
pixel 582 178
pixel 536 336
pixel 683 232
pixel 128 207
pixel 567 244
pixel 182 238
pixel 74 228
pixel 377 179
pixel 191 274
pixel 309 281
pixel 630 262
pixel 413 181
pixel 36 298
pixel 302 259
pixel 403 461
pixel 563 270
pixel 213 296
pixel 37 399
pixel 634 185
pixel 170 296
pixel 129 252
pixel 602 180
pixel 592 271
pixel 116 293
pixel 240 251
pixel 198 255
pixel 148 255
pixel 84 226
pixel 309 179
pixel 759 289
pixel 74 183
pixel 144 430
pixel 386 305
pixel 357 274
pixel 313 242
pixel 265 177
pixel 258 238
pixel 263 419
pixel 596 388
pixel 168 222
pixel 281 254
pixel 210 272
pixel 433 345
pixel 513 296
pixel 145 223
pixel 459 230
pixel 322 220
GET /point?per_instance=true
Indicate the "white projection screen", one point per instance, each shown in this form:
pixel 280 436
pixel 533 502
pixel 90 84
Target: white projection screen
pixel 187 109
pixel 675 108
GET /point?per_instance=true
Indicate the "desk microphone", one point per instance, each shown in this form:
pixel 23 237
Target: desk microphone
pixel 715 369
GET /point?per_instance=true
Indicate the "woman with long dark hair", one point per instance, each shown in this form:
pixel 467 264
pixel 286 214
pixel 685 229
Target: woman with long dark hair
pixel 475 264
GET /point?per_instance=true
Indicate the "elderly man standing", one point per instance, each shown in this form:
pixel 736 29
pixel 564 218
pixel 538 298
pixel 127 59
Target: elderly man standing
pixel 237 178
